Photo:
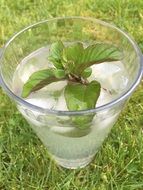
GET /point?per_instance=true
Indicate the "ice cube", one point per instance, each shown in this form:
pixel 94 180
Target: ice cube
pixel 56 86
pixel 112 75
pixel 34 62
pixel 61 103
pixel 106 69
pixel 118 82
pixel 47 103
pixel 104 98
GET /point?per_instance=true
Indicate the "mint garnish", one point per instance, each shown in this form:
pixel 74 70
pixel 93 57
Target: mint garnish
pixel 72 63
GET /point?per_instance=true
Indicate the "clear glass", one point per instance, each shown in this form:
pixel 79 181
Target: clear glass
pixel 70 146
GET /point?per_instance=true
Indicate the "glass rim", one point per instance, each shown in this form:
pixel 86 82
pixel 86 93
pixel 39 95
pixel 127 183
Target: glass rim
pixel 81 112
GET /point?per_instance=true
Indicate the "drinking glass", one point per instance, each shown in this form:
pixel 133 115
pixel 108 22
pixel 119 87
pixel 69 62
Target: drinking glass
pixel 70 146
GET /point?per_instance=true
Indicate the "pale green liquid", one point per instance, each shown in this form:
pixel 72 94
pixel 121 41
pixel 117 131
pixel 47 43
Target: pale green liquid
pixel 76 147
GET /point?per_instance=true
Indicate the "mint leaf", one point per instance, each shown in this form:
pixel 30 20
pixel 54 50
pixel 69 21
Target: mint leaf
pixel 56 51
pixel 40 79
pixel 82 97
pixel 98 53
pixel 82 122
pixel 77 59
pixel 59 73
pixel 87 72
pixel 72 56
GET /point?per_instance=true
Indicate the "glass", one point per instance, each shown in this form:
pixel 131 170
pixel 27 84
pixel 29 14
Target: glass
pixel 71 147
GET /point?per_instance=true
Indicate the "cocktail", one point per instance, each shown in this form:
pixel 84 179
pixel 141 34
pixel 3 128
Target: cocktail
pixel 72 136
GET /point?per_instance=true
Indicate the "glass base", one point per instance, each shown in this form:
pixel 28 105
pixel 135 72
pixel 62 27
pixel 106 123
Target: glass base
pixel 73 164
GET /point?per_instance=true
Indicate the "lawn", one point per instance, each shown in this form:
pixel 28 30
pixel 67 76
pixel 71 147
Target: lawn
pixel 24 161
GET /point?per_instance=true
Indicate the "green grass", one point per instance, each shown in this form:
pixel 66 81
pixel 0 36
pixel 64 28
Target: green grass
pixel 24 161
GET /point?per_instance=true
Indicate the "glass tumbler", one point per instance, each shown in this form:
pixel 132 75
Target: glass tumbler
pixel 70 146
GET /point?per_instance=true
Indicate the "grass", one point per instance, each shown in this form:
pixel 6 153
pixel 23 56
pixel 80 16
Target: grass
pixel 24 161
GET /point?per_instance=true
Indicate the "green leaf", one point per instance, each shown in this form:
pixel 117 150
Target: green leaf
pixel 40 79
pixel 59 73
pixel 56 51
pixel 87 72
pixel 72 56
pixel 82 122
pixel 98 53
pixel 82 97
pixel 77 59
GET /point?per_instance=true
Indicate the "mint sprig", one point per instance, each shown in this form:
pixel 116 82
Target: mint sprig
pixel 73 63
